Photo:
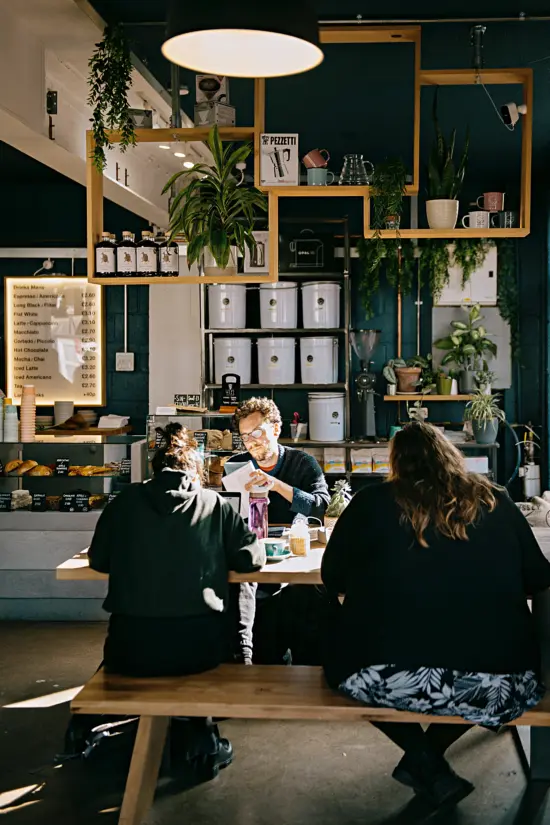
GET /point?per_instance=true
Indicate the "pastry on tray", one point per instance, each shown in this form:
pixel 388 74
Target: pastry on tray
pixel 11 466
pixel 75 422
pixel 40 470
pixel 25 467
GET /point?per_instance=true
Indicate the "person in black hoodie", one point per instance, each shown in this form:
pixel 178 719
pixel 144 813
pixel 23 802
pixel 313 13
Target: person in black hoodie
pixel 168 545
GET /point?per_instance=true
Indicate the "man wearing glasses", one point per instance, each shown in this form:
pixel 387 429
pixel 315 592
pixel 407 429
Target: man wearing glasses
pixel 293 479
pixel 286 617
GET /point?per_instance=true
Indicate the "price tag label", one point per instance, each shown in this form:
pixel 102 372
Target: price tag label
pixel 62 467
pixel 187 400
pixel 159 440
pixel 5 502
pixel 112 496
pixel 125 467
pixel 68 503
pixel 238 443
pixel 39 502
pixel 201 438
pixel 82 503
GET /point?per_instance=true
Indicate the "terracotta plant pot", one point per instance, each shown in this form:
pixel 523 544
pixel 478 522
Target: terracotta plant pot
pixel 407 379
pixel 442 213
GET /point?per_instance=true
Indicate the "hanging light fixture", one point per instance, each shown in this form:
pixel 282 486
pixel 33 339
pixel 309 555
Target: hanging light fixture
pixel 249 38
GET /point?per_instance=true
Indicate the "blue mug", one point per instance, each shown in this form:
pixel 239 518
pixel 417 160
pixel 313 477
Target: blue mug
pixel 319 177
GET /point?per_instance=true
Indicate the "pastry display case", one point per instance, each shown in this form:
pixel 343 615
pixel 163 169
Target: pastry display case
pixel 68 474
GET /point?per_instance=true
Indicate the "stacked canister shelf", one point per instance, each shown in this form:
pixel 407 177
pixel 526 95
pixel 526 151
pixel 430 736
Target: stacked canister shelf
pixel 289 335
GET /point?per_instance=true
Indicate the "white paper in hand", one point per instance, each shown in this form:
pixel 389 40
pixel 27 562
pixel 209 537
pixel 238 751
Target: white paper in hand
pixel 236 483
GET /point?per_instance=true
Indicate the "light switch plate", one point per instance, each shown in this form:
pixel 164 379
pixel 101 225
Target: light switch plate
pixel 125 362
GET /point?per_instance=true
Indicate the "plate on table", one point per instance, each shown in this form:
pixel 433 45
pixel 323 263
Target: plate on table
pixel 286 555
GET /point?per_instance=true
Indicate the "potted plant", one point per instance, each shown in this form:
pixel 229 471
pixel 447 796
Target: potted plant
pixel 417 412
pixel 388 190
pixel 484 413
pixel 109 79
pixel 444 383
pixel 484 380
pixel 213 211
pixel 444 179
pixel 404 374
pixel 454 375
pixel 428 375
pixel 337 504
pixel 468 346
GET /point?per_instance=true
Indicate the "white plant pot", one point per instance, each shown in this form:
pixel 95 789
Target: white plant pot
pixel 212 268
pixel 454 387
pixel 442 213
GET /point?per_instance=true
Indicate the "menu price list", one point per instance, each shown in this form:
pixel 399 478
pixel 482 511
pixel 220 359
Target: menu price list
pixel 54 339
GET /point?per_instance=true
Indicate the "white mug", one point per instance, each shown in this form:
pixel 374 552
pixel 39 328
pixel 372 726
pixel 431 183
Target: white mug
pixel 476 220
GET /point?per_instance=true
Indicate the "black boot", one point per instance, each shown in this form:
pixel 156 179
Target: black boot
pixel 431 776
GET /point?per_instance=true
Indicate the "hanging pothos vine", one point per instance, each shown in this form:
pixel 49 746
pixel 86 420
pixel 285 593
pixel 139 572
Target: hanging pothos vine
pixel 507 289
pixel 109 80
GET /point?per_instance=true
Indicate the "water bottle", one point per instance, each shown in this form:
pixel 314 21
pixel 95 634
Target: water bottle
pixel 257 513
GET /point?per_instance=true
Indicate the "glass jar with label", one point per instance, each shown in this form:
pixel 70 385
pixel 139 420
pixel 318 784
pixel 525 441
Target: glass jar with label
pixel 105 264
pixel 168 256
pixel 147 255
pixel 126 256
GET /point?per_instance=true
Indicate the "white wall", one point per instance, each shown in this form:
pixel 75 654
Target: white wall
pixel 174 342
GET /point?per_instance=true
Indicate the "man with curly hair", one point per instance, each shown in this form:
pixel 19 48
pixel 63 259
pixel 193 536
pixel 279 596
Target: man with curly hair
pixel 293 478
pixel 275 620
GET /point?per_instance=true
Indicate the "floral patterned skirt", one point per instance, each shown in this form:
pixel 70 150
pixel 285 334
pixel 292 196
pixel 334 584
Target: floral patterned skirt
pixel 486 699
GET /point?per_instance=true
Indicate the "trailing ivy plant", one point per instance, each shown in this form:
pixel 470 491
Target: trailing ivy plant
pixel 377 252
pixel 109 79
pixel 507 289
pixel 388 188
pixel 470 254
pixel 434 266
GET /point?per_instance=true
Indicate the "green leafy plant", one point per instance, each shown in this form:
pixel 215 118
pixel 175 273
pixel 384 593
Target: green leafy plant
pixel 468 344
pixel 393 254
pixel 340 500
pixel 485 378
pixel 433 267
pixel 388 190
pixel 427 375
pixel 444 178
pixel 483 408
pixel 211 209
pixel 507 290
pixel 470 254
pixel 109 79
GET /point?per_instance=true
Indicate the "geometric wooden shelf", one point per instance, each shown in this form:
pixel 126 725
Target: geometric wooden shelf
pixel 459 232
pixel 429 397
pixel 155 280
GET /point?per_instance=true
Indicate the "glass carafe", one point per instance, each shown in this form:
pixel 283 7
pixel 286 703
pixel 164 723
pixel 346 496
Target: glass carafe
pixel 356 171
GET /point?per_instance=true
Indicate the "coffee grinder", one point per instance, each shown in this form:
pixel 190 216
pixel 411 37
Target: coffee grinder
pixel 364 343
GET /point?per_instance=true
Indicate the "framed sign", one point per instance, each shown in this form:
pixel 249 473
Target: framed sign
pixel 55 339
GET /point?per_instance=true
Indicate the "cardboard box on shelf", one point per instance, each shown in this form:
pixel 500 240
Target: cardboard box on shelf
pixel 381 460
pixel 334 460
pixel 211 87
pixel 210 113
pixel 477 464
pixel 361 461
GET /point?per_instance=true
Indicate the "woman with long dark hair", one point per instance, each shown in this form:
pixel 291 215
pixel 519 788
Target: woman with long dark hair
pixel 168 545
pixel 435 566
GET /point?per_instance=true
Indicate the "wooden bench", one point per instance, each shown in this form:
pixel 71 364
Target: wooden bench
pixel 232 691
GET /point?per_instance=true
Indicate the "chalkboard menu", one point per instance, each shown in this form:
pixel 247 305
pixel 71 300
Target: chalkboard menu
pixel 54 339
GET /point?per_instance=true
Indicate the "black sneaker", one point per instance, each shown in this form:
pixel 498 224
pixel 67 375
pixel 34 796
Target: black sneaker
pixel 224 756
pixel 432 778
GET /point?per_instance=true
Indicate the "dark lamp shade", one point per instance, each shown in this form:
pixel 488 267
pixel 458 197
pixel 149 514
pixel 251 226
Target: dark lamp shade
pixel 247 38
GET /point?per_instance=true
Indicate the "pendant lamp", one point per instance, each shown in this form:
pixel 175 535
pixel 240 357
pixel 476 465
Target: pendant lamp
pixel 246 38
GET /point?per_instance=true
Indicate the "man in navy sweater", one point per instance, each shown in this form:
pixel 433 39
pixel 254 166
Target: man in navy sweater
pixel 293 479
pixel 285 617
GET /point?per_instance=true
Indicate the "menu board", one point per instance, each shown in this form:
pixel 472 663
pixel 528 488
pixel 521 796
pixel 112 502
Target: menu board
pixel 54 339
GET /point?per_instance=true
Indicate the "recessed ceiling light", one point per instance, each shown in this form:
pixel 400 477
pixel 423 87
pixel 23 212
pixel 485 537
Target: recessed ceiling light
pixel 248 39
pixel 163 146
pixel 188 164
pixel 179 155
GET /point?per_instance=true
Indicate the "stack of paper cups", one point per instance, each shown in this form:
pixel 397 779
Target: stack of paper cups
pixel 63 410
pixel 11 423
pixel 28 413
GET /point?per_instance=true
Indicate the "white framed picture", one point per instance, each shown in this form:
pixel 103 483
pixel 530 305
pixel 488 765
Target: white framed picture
pixel 279 160
pixel 258 261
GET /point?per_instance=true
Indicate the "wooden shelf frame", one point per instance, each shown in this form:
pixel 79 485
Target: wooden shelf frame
pixel 469 77
pixel 427 397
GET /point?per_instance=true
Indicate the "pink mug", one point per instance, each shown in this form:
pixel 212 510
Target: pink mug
pixel 315 160
pixel 491 201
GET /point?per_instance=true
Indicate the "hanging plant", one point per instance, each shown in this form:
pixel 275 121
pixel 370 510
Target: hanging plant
pixel 507 290
pixel 109 79
pixel 470 254
pixel 388 187
pixel 434 266
pixel 376 252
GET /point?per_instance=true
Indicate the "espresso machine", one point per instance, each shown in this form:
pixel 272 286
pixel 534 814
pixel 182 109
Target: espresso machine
pixel 364 343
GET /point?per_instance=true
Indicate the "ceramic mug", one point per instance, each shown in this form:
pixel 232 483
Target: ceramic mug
pixel 315 159
pixel 274 547
pixel 504 220
pixel 476 220
pixel 492 201
pixel 319 177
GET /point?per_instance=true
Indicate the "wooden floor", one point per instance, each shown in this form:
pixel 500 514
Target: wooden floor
pixel 255 692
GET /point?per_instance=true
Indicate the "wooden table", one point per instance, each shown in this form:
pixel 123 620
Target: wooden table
pixel 295 570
